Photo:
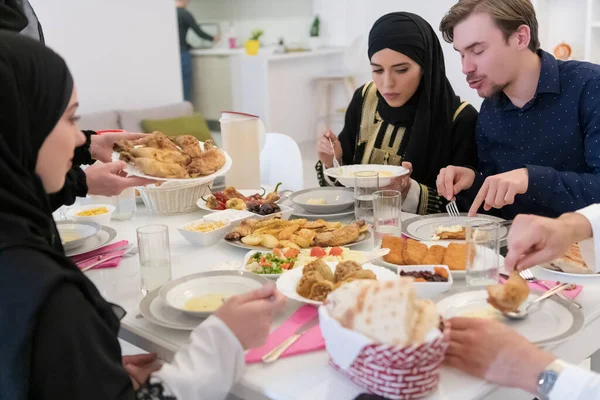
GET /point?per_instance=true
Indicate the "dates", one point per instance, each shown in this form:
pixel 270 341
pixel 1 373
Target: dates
pixel 424 276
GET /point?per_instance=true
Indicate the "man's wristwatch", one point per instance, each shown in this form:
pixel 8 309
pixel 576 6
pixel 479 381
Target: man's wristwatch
pixel 548 378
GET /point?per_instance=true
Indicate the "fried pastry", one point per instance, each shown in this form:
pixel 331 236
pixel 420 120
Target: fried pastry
pixel 344 269
pixel 320 290
pixel 414 252
pixel 434 256
pixel 511 295
pixel 362 274
pixel 306 283
pixel 456 257
pixel 396 246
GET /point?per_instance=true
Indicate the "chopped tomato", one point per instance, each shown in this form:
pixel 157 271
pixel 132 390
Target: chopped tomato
pixel 336 251
pixel 285 266
pixel 317 252
pixel 277 252
pixel 264 263
pixel 291 253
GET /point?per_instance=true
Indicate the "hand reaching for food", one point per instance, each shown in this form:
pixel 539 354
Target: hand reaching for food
pixel 500 190
pixel 453 180
pixel 101 146
pixel 324 150
pixel 108 179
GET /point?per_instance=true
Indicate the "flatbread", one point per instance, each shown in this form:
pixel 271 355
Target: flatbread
pixel 572 262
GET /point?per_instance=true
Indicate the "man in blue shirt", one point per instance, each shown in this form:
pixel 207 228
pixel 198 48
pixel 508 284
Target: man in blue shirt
pixel 538 133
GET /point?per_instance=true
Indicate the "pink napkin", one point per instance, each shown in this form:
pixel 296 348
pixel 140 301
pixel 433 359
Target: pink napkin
pixel 81 263
pixel 536 286
pixel 310 341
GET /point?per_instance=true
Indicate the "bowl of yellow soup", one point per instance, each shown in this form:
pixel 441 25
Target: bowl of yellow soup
pixel 74 234
pixel 326 200
pixel 202 293
pixel 98 213
pixel 346 174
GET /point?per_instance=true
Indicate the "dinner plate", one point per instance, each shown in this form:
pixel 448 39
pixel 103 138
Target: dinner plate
pixel 423 227
pixel 288 282
pixel 553 320
pixel 132 171
pixel 238 243
pixel 202 204
pixel 154 310
pixel 298 211
pixel 82 230
pixel 456 275
pixel 348 171
pixel 276 276
pixel 564 277
pixel 337 200
pixel 103 237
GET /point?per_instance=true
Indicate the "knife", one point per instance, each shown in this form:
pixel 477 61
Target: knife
pixel 274 354
pixel 101 255
pixel 542 284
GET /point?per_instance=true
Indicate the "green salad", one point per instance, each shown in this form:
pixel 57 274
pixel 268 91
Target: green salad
pixel 276 262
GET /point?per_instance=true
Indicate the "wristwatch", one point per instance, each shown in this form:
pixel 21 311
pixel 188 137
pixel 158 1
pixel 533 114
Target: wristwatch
pixel 548 378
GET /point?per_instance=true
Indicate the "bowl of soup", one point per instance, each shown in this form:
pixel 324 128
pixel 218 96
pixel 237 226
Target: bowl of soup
pixel 346 174
pixel 74 234
pixel 203 293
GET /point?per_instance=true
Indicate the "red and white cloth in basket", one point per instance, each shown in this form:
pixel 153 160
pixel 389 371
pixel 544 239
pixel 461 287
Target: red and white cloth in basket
pixel 392 372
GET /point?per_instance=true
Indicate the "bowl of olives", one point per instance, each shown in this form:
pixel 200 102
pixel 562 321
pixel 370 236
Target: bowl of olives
pixel 265 210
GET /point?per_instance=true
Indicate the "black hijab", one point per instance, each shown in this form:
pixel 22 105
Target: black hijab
pixel 35 89
pixel 19 16
pixel 432 107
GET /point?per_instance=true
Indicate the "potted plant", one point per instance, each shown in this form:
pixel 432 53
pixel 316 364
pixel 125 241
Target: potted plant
pixel 315 39
pixel 253 44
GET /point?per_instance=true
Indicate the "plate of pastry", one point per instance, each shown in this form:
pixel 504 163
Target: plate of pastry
pixel 443 227
pixel 573 267
pixel 179 158
pixel 267 234
pixel 312 283
pixel 409 252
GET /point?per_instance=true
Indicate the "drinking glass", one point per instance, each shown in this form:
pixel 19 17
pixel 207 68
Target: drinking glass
pixel 365 184
pixel 155 257
pixel 386 214
pixel 483 253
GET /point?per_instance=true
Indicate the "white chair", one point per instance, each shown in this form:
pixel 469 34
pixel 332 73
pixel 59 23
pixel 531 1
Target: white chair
pixel 345 77
pixel 281 161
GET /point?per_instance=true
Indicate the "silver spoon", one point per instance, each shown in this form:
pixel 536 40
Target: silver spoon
pixel 523 314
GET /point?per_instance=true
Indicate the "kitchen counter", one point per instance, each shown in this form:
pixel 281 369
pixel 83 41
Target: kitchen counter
pixel 269 53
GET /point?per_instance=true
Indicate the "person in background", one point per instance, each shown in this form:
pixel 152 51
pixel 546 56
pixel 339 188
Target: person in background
pixel 186 21
pixel 492 351
pixel 409 115
pixel 538 133
pixel 51 311
pixel 105 178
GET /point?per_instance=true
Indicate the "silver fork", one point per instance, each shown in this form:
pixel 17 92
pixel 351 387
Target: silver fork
pixel 528 276
pixel 452 209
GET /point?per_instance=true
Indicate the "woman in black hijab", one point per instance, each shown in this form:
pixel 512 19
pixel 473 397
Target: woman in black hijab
pixel 58 336
pixel 409 115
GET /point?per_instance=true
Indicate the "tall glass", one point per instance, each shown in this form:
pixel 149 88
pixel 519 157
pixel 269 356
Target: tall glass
pixel 365 184
pixel 155 256
pixel 483 253
pixel 386 214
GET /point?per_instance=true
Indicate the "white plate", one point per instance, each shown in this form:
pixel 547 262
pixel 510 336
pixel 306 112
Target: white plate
pixel 228 283
pixel 202 204
pixel 155 311
pixel 275 276
pixel 237 243
pixel 338 199
pixel 288 282
pixel 81 230
pixel 103 237
pixel 455 274
pixel 553 320
pixel 575 279
pixel 422 228
pixel 348 171
pixel 132 171
pixel 302 213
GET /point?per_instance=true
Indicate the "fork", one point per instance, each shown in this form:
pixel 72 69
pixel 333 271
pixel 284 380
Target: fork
pixel 336 163
pixel 452 209
pixel 528 276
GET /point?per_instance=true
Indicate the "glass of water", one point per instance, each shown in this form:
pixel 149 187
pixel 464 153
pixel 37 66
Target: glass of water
pixel 483 253
pixel 365 184
pixel 155 256
pixel 386 214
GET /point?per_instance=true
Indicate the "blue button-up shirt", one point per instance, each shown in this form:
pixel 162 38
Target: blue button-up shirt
pixel 556 136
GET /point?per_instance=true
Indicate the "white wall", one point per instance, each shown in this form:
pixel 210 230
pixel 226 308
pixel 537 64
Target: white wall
pixel 123 53
pixel 290 19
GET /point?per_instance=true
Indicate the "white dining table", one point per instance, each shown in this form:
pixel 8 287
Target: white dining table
pixel 306 376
